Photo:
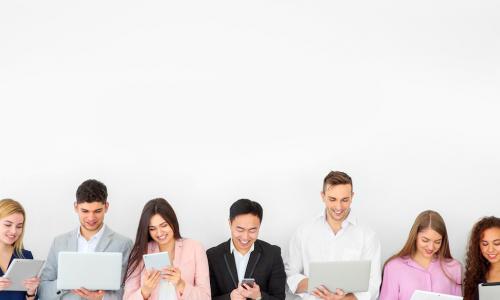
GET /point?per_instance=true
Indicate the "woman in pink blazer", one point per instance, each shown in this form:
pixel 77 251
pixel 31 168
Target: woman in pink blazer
pixel 158 231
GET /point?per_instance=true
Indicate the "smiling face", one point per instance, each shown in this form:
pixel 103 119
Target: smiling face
pixel 337 199
pixel 160 231
pixel 244 231
pixel 428 243
pixel 490 245
pixel 91 215
pixel 11 228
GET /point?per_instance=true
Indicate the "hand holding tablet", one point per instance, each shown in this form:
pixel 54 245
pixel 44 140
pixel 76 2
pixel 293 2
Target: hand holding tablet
pixel 22 274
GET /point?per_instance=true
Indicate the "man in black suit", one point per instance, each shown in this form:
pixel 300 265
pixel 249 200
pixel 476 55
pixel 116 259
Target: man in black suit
pixel 244 256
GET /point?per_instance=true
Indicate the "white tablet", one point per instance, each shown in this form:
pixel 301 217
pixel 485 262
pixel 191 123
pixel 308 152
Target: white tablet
pixel 90 270
pixel 20 270
pixel 349 276
pixel 489 291
pixel 424 295
pixel 156 261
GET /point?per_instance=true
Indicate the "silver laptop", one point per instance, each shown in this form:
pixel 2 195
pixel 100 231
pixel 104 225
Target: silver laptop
pixel 349 276
pixel 93 271
pixel 489 291
pixel 424 295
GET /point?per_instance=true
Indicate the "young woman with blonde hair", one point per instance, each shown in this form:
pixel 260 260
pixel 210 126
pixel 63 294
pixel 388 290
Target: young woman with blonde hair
pixel 425 262
pixel 12 220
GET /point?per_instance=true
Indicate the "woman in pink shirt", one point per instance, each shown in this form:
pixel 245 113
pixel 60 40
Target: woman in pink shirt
pixel 158 231
pixel 425 262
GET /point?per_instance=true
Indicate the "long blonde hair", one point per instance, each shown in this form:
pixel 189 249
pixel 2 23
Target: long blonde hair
pixel 7 208
pixel 425 220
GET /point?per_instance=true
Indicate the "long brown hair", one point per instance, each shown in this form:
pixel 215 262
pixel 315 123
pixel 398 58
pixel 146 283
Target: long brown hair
pixel 158 206
pixel 425 220
pixel 476 265
pixel 9 207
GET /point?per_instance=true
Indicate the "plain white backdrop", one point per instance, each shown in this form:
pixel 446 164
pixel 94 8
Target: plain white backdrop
pixel 205 102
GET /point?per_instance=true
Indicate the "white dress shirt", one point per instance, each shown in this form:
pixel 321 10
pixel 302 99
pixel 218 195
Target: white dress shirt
pixel 89 246
pixel 316 241
pixel 241 260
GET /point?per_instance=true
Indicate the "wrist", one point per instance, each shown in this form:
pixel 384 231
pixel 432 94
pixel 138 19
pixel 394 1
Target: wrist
pixel 259 296
pixel 180 286
pixel 145 294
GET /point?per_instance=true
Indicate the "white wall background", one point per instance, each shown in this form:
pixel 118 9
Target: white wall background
pixel 205 102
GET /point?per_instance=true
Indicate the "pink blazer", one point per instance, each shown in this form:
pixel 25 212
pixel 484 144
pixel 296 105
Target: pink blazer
pixel 191 259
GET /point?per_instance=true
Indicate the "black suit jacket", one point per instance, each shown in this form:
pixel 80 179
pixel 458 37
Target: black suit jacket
pixel 265 266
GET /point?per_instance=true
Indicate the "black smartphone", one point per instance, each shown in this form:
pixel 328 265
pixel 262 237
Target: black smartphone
pixel 248 281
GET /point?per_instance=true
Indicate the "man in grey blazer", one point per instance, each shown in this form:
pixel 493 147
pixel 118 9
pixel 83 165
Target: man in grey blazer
pixel 91 236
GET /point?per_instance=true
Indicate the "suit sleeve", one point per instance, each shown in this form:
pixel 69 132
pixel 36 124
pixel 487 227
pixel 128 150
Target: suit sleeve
pixel 118 295
pixel 277 280
pixel 214 287
pixel 201 288
pixel 48 278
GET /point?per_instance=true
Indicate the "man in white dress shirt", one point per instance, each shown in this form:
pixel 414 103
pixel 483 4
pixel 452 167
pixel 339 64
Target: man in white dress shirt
pixel 333 235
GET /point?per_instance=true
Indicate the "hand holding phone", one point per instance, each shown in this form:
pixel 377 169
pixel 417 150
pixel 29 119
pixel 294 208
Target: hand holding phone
pixel 248 281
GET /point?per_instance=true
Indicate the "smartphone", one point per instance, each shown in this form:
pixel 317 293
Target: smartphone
pixel 248 281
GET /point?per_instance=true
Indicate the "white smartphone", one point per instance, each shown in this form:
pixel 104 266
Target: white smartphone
pixel 156 261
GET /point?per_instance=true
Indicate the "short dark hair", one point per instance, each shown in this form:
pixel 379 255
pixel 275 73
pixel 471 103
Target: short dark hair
pixel 243 207
pixel 336 178
pixel 92 190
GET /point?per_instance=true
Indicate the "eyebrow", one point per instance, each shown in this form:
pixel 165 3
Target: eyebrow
pixel 153 226
pixel 239 227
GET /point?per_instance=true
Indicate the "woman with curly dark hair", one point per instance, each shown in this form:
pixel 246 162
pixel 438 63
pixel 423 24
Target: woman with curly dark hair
pixel 482 263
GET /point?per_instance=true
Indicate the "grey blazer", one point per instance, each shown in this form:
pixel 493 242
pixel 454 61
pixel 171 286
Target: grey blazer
pixel 109 242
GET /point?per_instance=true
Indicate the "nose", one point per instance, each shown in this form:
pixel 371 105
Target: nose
pixel 490 248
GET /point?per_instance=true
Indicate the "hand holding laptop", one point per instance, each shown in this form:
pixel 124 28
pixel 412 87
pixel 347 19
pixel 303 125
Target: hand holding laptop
pixel 86 294
pixel 323 293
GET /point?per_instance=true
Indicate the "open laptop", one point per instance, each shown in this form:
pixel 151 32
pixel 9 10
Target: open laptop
pixel 424 295
pixel 93 271
pixel 489 291
pixel 350 276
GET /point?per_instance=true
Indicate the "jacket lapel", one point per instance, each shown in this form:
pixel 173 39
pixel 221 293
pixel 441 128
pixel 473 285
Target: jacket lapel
pixel 253 260
pixel 73 241
pixel 103 243
pixel 230 264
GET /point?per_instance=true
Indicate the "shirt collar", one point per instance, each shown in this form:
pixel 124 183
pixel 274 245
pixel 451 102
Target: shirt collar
pixel 96 236
pixel 410 262
pixel 232 248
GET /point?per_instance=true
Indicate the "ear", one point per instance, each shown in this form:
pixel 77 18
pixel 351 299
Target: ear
pixel 322 194
pixel 106 206
pixel 75 206
pixel 229 221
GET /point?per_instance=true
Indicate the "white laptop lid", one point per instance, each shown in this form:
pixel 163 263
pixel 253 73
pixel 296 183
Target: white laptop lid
pixel 350 276
pixel 424 295
pixel 489 291
pixel 93 271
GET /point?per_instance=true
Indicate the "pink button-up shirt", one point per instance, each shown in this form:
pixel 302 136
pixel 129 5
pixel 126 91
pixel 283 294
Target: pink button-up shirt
pixel 402 276
pixel 191 259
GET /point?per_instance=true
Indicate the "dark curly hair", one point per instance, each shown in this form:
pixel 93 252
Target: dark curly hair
pixel 476 265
